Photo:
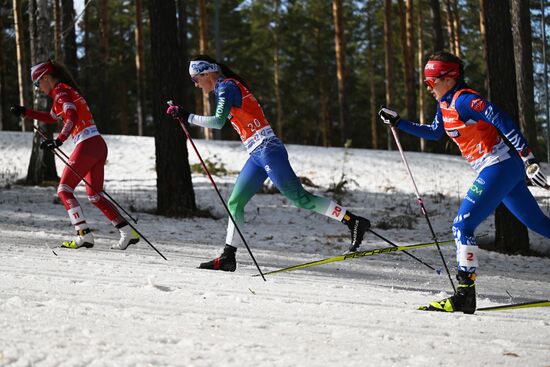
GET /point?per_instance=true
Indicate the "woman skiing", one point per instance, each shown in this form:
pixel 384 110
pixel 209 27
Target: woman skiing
pixel 88 157
pixel 480 129
pixel 267 155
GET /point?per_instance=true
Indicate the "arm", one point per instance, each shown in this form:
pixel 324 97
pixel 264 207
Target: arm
pixel 431 132
pixel 63 100
pixel 475 108
pixel 472 107
pixel 229 95
pixel 48 118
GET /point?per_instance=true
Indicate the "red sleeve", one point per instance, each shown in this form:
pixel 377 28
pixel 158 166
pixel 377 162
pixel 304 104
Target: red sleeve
pixel 71 117
pixel 63 102
pixel 41 116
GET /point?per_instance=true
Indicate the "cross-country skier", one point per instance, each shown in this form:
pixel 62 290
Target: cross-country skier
pixel 88 157
pixel 480 129
pixel 268 156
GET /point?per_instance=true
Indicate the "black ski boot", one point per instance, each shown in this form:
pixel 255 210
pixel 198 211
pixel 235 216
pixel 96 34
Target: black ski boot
pixel 463 300
pixel 357 226
pixel 225 262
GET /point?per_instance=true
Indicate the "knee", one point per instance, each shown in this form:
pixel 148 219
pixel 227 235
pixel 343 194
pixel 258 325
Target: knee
pixel 94 198
pixel 64 191
pixel 235 205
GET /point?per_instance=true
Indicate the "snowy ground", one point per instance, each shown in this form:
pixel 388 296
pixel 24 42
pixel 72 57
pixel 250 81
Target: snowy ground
pixel 100 307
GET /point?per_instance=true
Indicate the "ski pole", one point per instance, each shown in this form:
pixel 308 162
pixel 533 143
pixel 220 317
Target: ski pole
pixel 421 203
pixel 171 103
pixel 438 271
pixel 43 134
pixel 56 152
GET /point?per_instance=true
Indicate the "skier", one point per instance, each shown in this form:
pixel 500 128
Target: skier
pixel 268 156
pixel 481 131
pixel 88 157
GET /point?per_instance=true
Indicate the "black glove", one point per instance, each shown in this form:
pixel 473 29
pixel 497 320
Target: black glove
pixel 389 117
pixel 177 112
pixel 50 144
pixel 18 110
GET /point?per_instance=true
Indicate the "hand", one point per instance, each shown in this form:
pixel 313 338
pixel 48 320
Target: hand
pixel 18 110
pixel 177 112
pixel 389 117
pixel 51 144
pixel 535 175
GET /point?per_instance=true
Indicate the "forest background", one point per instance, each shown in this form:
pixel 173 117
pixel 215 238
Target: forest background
pixel 320 69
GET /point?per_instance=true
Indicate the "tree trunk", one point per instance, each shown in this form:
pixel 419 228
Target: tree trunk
pixel 3 124
pixel 407 39
pixel 437 30
pixel 511 235
pixel 21 62
pixel 57 29
pixel 450 26
pixel 371 64
pixel 521 30
pixel 183 17
pixel 175 195
pixel 388 60
pixel 138 37
pixel 420 59
pixel 276 72
pixel 203 47
pixel 340 48
pixel 68 35
pixel 483 35
pixel 104 121
pixel 42 164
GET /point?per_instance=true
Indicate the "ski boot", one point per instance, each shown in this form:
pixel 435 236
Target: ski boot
pixel 357 226
pixel 225 262
pixel 463 300
pixel 84 238
pixel 127 237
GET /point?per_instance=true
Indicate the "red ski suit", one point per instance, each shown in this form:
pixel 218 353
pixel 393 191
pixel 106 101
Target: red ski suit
pixel 89 156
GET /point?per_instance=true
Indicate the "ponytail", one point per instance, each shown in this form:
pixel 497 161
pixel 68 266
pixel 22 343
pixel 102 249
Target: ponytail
pixel 61 73
pixel 224 69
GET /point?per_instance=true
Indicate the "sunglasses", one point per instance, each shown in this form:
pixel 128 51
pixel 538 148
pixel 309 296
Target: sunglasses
pixel 37 82
pixel 432 81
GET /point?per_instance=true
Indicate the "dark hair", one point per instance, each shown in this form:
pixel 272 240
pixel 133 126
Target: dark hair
pixel 449 57
pixel 61 73
pixel 224 69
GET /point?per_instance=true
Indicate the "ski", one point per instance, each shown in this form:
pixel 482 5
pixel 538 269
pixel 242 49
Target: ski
pixel 358 254
pixel 513 306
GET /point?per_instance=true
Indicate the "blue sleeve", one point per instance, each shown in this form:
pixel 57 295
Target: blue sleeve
pixel 431 132
pixel 472 107
pixel 228 95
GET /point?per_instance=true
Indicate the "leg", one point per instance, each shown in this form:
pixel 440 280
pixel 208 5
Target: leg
pixel 524 206
pixel 247 185
pixel 491 186
pixel 274 158
pixel 69 180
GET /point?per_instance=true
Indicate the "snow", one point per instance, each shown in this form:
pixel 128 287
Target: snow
pixel 101 307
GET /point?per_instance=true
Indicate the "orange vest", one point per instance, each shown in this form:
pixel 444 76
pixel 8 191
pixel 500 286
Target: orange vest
pixel 248 119
pixel 65 97
pixel 475 139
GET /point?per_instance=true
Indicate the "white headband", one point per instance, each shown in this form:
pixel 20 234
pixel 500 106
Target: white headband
pixel 200 67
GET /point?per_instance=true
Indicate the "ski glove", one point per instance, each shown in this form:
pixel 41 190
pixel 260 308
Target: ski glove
pixel 177 112
pixel 389 117
pixel 50 144
pixel 18 110
pixel 532 168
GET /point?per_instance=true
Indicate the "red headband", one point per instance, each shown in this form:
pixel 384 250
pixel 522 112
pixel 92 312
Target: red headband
pixel 435 69
pixel 39 70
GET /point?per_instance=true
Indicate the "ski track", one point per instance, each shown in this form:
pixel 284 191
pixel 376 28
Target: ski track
pixel 102 307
